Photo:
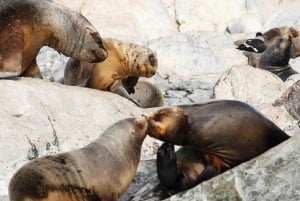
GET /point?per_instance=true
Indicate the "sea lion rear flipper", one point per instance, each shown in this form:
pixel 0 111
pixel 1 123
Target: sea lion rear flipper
pixel 33 71
pixel 118 88
pixel 208 173
pixel 166 162
pixel 11 46
pixel 12 65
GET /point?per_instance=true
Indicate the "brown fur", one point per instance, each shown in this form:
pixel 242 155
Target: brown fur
pixel 124 60
pixel 227 132
pixel 28 25
pixel 278 32
pixel 102 170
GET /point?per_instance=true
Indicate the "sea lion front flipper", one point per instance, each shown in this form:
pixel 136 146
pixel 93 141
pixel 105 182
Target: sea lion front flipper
pixel 118 88
pixel 33 71
pixel 166 162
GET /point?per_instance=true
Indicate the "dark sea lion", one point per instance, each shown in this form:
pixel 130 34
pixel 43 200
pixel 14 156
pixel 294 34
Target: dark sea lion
pixel 124 60
pixel 102 170
pixel 183 169
pixel 28 25
pixel 227 132
pixel 276 58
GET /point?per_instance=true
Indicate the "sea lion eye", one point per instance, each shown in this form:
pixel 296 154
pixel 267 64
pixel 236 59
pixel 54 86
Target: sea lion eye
pixel 152 60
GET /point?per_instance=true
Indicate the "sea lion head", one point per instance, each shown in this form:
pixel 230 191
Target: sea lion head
pixel 278 54
pixel 144 62
pixel 92 50
pixel 168 124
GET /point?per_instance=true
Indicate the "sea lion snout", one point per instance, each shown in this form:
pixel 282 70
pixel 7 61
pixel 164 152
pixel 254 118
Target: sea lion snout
pixel 167 122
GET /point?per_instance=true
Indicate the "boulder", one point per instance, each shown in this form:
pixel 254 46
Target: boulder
pixel 258 88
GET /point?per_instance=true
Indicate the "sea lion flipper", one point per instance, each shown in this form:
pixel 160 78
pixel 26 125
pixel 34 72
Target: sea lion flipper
pixel 208 173
pixel 129 83
pixel 33 71
pixel 118 88
pixel 167 171
pixel 11 45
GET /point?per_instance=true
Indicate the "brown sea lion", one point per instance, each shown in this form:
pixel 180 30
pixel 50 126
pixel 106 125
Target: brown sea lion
pixel 183 169
pixel 102 170
pixel 28 25
pixel 276 58
pixel 227 132
pixel 124 60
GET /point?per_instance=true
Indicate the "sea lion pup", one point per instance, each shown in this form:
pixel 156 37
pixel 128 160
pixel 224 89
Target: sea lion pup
pixel 146 94
pixel 183 169
pixel 102 170
pixel 276 58
pixel 124 60
pixel 228 132
pixel 27 25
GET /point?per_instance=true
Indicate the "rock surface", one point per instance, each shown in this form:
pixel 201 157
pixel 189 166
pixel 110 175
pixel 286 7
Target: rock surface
pixel 197 61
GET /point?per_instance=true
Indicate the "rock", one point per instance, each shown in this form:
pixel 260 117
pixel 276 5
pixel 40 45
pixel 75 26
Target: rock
pixel 207 15
pixel 41 118
pixel 287 15
pixel 257 87
pixel 291 99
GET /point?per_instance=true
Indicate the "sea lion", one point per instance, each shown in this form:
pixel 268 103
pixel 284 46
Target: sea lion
pixel 27 25
pixel 183 169
pixel 227 132
pixel 102 170
pixel 276 58
pixel 124 60
pixel 146 94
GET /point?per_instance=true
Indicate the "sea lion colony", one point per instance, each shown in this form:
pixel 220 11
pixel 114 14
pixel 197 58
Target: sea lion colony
pixel 195 162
